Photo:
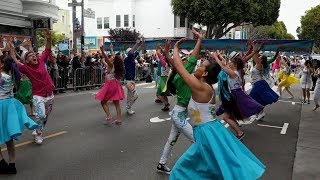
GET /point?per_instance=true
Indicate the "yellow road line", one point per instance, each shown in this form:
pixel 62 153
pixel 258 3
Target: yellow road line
pixel 30 142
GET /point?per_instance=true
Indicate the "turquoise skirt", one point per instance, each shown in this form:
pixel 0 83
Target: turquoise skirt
pixel 216 154
pixel 13 119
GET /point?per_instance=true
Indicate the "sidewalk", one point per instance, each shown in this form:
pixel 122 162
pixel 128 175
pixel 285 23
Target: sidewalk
pixel 307 160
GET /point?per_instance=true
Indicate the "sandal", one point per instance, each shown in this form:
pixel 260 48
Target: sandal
pixel 107 121
pixel 117 122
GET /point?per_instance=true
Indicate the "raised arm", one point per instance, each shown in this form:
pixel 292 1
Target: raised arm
pixel 111 50
pixel 105 61
pixel 13 54
pixel 216 56
pixel 193 83
pixel 274 57
pixel 197 48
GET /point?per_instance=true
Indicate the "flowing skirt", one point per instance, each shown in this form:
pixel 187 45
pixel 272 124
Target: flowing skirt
pixel 246 104
pixel 13 119
pixel 263 94
pixel 216 154
pixel 111 91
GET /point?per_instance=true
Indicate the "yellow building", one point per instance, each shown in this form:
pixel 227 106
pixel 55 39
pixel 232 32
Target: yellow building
pixel 63 25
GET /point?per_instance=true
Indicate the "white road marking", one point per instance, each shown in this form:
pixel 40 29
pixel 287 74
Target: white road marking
pixel 292 102
pixel 264 125
pixel 151 87
pixel 284 128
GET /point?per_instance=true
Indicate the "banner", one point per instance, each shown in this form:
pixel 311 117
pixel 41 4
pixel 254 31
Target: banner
pixel 297 46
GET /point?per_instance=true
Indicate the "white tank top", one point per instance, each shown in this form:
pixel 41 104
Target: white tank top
pixel 305 76
pixel 256 75
pixel 201 113
pixel 236 82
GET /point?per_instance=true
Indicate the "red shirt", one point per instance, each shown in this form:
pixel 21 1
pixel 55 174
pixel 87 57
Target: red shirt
pixel 42 84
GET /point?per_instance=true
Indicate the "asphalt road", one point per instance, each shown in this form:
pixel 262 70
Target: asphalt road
pixel 81 147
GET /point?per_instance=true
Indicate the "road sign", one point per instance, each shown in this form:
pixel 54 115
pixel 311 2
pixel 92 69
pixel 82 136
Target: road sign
pixel 42 23
pixel 89 13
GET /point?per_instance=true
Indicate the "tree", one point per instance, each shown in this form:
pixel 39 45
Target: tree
pixel 120 34
pixel 220 16
pixel 56 38
pixel 277 30
pixel 310 26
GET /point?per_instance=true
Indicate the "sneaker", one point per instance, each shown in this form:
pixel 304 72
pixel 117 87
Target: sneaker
pixel 253 118
pixel 3 166
pixel 162 168
pixel 38 139
pixel 166 107
pixel 130 112
pixel 261 116
pixel 12 168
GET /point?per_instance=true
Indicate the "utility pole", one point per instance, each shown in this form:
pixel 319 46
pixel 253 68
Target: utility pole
pixel 74 5
pixel 82 28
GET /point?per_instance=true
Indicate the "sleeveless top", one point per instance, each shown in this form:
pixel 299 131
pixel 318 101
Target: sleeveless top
pixel 201 113
pixel 318 75
pixel 235 83
pixel 256 75
pixel 6 86
pixel 110 75
pixel 305 76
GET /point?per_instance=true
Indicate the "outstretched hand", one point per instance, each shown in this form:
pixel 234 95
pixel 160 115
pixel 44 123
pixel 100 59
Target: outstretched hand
pixel 47 34
pixel 180 42
pixel 167 48
pixel 197 34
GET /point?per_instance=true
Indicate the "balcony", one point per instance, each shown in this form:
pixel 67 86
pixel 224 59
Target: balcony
pixel 36 9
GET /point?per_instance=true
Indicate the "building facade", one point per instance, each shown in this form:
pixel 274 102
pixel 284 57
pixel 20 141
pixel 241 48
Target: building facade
pixel 63 24
pixel 152 18
pixel 16 17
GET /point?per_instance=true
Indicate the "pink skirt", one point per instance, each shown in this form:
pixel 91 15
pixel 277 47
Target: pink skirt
pixel 111 91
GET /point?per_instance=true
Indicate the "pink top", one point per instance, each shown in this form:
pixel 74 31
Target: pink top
pixel 276 64
pixel 162 61
pixel 42 84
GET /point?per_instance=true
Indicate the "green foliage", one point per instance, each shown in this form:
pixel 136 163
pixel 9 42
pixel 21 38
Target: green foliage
pixel 310 26
pixel 218 14
pixel 277 30
pixel 120 34
pixel 56 38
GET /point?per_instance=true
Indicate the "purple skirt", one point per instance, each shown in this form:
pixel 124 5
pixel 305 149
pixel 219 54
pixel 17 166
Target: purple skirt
pixel 246 104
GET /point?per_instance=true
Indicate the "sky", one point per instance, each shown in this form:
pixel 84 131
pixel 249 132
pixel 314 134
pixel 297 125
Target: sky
pixel 290 11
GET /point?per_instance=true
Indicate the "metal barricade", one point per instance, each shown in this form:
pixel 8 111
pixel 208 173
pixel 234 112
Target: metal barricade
pixel 87 77
pixel 61 82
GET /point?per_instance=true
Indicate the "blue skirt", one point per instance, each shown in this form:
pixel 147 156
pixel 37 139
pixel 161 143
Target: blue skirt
pixel 216 154
pixel 263 94
pixel 13 119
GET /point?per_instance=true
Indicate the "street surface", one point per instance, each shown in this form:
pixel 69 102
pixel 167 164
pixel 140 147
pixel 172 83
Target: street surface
pixel 79 146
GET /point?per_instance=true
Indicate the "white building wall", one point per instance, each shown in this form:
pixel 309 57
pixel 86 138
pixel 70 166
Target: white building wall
pixel 153 18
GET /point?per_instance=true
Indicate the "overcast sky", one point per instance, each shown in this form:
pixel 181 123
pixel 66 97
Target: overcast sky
pixel 290 11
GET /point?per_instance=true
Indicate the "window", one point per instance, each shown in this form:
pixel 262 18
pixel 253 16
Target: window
pixel 126 20
pixel 99 23
pixel 106 22
pixel 230 35
pixel 182 22
pixel 134 21
pixel 62 19
pixel 118 20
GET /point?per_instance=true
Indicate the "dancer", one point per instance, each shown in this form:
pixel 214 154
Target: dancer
pixel 216 153
pixel 165 69
pixel 286 79
pixel 261 91
pixel 246 105
pixel 179 112
pixel 13 115
pixel 130 69
pixel 42 85
pixel 317 88
pixel 306 80
pixel 229 107
pixel 112 89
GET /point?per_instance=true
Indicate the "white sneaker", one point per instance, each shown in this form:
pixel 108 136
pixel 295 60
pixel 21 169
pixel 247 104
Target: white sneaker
pixel 130 112
pixel 260 116
pixel 38 139
pixel 253 118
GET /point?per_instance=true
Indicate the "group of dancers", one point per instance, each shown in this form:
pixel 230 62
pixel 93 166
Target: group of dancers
pixel 215 153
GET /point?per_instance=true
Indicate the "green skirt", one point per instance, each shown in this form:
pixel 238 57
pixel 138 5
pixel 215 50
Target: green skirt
pixel 162 87
pixel 24 94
